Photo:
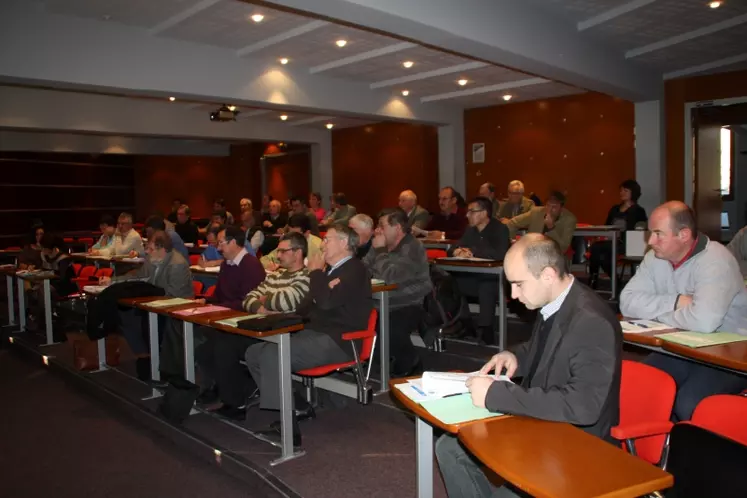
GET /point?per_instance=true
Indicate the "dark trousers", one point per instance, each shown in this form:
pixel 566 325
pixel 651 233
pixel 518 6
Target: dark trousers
pixel 134 327
pixel 695 382
pixel 485 289
pixel 601 257
pixel 218 358
pixel 402 322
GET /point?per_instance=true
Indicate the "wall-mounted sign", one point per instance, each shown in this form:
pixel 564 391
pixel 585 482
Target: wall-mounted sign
pixel 478 153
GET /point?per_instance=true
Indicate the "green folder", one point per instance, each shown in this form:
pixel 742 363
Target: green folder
pixel 165 303
pixel 456 409
pixel 701 340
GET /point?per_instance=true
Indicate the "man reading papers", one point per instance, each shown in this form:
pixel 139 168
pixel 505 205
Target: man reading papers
pixel 570 367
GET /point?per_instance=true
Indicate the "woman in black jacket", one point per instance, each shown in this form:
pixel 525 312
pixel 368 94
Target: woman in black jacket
pixel 628 215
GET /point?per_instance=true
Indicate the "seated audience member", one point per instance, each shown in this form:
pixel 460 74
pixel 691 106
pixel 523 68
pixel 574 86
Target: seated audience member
pixel 628 215
pixel 738 247
pixel 245 204
pixel 30 257
pixel 217 219
pixel 54 257
pixel 266 200
pixel 167 269
pixel 362 224
pixel 315 204
pixel 570 367
pixel 220 356
pixel 417 216
pixel 156 223
pixel 487 190
pixel 341 210
pixel 298 223
pixel 339 301
pixel 451 222
pixel 240 272
pixel 691 283
pixel 220 205
pixel 486 238
pixel 184 225
pixel 175 205
pixel 552 220
pixel 274 221
pixel 298 206
pixel 108 228
pixel 331 211
pixel 252 234
pixel 211 256
pixel 127 242
pixel 516 203
pixel 396 257
pixel 535 199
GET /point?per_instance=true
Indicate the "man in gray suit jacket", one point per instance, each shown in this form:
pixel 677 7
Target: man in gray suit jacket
pixel 570 367
pixel 417 216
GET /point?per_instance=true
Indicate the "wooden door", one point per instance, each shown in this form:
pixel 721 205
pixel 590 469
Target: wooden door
pixel 707 188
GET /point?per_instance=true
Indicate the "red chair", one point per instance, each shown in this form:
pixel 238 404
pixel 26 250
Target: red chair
pixel 76 268
pixel 209 292
pixel 724 414
pixel 435 254
pixel 646 401
pixel 85 276
pixel 197 287
pixel 14 248
pixel 86 240
pixel 68 240
pixel 104 272
pixel 194 259
pixel 368 339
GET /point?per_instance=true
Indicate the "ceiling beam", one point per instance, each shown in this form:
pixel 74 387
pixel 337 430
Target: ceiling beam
pixel 690 35
pixel 428 74
pixel 182 16
pixel 612 13
pixel 485 89
pixel 728 61
pixel 251 114
pixel 371 54
pixel 281 37
pixel 315 119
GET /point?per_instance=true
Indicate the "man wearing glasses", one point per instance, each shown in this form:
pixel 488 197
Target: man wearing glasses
pixel 127 242
pixel 450 223
pixel 485 238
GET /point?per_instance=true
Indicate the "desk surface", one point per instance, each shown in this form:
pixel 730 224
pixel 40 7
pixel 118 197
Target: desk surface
pixel 557 460
pixel 425 414
pixel 469 263
pixel 732 355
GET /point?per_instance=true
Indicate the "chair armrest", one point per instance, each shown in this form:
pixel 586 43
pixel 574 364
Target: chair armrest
pixel 361 334
pixel 644 429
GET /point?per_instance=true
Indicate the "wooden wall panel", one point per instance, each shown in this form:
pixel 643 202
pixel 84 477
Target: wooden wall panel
pixel 373 164
pixel 582 145
pixel 676 94
pixel 288 176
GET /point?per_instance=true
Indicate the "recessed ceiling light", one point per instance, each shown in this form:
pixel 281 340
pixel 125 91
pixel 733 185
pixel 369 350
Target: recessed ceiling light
pixel 714 5
pixel 341 43
pixel 257 17
pixel 283 117
pixel 172 99
pixel 330 126
pixel 408 64
pixel 405 93
pixel 462 82
pixel 507 97
pixel 284 60
pixel 231 108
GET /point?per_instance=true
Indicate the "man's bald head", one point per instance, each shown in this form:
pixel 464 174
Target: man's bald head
pixel 537 252
pixel 407 200
pixel 679 215
pixel 536 269
pixel 673 231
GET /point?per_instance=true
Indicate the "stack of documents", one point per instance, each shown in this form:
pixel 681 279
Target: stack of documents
pixel 211 269
pixel 94 289
pixel 635 326
pixel 234 322
pixel 437 385
pixel 201 310
pixel 165 303
pixel 377 281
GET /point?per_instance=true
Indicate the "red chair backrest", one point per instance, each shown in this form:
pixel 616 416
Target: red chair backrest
pixel 76 268
pixel 724 414
pixel 646 395
pixel 368 341
pixel 104 272
pixel 86 240
pixel 435 253
pixel 210 291
pixel 194 259
pixel 87 272
pixel 14 248
pixel 197 287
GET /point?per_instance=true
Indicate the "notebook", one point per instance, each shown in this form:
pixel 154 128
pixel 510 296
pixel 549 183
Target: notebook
pixel 201 310
pixel 165 303
pixel 456 409
pixel 701 340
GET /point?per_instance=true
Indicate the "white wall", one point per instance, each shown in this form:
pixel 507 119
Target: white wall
pixel 650 170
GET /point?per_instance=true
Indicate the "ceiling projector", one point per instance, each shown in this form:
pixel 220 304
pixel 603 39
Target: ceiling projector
pixel 224 113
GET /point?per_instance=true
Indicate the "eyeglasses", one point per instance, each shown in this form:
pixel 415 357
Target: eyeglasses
pixel 476 210
pixel 283 251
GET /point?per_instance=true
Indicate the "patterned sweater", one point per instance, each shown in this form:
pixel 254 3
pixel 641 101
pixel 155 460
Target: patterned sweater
pixel 283 291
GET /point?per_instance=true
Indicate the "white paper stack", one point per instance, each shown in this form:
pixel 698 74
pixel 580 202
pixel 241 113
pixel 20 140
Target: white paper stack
pixel 440 384
pixel 635 326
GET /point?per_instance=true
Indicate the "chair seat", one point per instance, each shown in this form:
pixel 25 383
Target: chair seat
pixel 324 369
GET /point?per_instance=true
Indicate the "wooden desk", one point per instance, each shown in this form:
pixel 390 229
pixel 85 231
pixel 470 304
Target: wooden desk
pixel 485 267
pixel 557 460
pixel 424 423
pixel 731 356
pixel 444 244
pixel 611 232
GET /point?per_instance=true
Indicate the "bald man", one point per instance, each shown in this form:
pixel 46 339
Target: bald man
pixel 570 367
pixel 691 283
pixel 417 216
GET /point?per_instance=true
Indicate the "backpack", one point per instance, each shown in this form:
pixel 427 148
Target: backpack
pixel 442 307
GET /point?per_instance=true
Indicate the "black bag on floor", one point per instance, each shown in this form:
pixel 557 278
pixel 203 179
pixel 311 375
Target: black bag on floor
pixel 178 400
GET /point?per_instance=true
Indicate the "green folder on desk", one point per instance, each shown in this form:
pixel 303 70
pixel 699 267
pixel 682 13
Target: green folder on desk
pixel 701 340
pixel 456 409
pixel 165 303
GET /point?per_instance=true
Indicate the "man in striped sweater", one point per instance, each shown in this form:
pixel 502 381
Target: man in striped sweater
pixel 281 292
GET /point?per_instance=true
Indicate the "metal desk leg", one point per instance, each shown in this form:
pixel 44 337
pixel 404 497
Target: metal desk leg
pixel 286 401
pixel 424 456
pixel 384 340
pixel 21 306
pixel 189 351
pixel 613 277
pixel 48 312
pixel 155 359
pixel 503 319
pixel 11 299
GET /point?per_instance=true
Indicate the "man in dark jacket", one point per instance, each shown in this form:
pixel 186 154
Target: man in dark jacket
pixel 570 367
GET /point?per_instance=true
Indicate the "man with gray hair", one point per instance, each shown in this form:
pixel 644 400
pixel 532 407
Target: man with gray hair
pixel 516 203
pixel 692 283
pixel 417 216
pixel 570 368
pixel 362 224
pixel 127 242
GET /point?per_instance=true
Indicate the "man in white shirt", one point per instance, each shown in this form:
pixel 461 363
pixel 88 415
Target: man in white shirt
pixel 127 242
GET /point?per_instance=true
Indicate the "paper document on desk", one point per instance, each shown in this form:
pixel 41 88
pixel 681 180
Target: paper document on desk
pixel 634 326
pixel 211 269
pixel 82 254
pixel 455 258
pixel 165 303
pixel 441 384
pixel 701 340
pixel 132 260
pixel 94 289
pixel 456 409
pixel 201 310
pixel 377 281
pixel 234 322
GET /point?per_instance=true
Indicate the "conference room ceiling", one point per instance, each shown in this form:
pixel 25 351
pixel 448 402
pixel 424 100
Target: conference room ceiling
pixel 309 43
pixel 677 37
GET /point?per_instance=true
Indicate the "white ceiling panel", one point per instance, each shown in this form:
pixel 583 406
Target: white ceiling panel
pixel 228 24
pixel 534 92
pixel 490 75
pixel 141 13
pixel 579 10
